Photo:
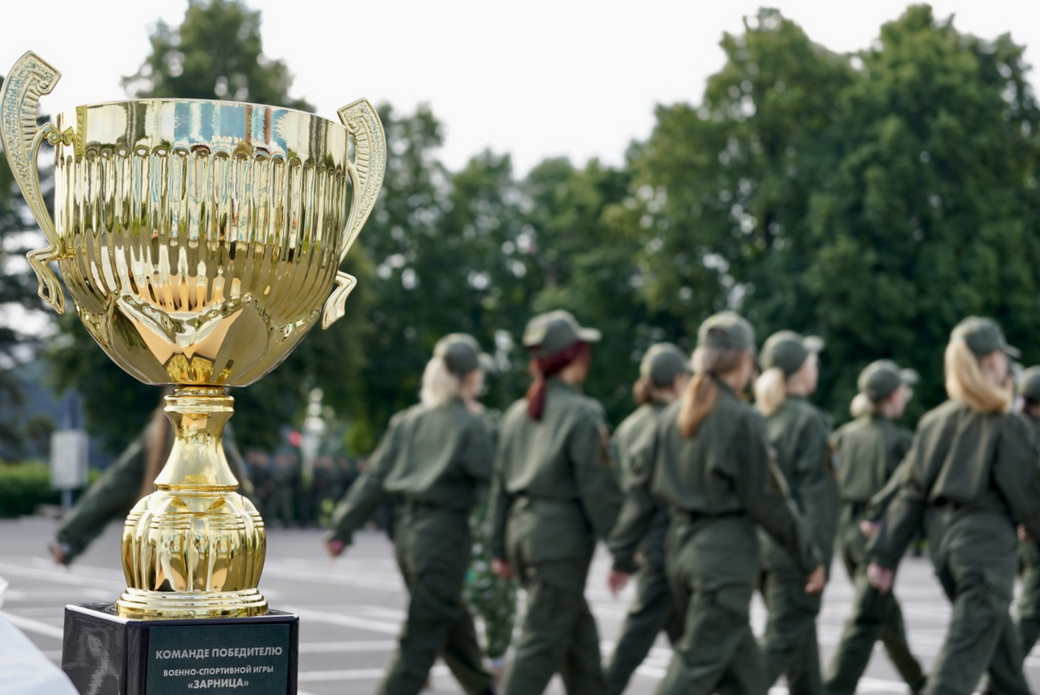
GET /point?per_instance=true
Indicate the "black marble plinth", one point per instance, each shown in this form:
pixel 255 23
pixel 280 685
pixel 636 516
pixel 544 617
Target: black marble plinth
pixel 105 654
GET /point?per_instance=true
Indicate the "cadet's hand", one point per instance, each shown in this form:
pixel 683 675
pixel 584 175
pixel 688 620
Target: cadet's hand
pixel 616 581
pixel 501 568
pixel 880 577
pixel 335 548
pixel 868 528
pixel 1023 535
pixel 58 554
pixel 817 580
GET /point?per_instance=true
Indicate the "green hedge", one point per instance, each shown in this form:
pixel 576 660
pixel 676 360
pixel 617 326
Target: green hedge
pixel 23 486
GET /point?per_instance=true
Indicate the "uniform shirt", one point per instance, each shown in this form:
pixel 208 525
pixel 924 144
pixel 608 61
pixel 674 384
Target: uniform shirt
pixel 798 433
pixel 724 469
pixel 971 460
pixel 562 457
pixel 625 446
pixel 435 455
pixel 867 452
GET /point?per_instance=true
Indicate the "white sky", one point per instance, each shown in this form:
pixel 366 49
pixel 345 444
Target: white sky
pixel 532 78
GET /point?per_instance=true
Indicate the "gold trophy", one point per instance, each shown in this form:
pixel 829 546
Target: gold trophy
pixel 199 241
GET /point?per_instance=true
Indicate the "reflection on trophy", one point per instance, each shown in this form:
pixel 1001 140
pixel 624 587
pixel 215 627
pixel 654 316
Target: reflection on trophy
pixel 199 241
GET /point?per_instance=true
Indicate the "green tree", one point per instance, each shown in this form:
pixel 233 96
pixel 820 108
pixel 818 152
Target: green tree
pixel 930 211
pixel 197 60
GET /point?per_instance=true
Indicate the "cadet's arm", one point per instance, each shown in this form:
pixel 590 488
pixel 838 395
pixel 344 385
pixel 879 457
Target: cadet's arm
pixel 904 512
pixel 817 489
pixel 763 493
pixel 638 508
pixel 1017 473
pixel 597 483
pixel 499 501
pixel 479 454
pixel 367 491
pixel 882 498
pixel 110 497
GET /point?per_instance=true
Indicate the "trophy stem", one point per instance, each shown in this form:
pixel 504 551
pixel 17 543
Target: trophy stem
pixel 194 548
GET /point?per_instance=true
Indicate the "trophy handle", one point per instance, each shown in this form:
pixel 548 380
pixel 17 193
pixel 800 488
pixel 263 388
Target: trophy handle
pixel 29 79
pixel 363 124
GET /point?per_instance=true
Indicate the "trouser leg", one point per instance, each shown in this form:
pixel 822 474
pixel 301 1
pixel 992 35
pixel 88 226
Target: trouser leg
pixel 893 637
pixel 649 614
pixel 790 643
pixel 582 671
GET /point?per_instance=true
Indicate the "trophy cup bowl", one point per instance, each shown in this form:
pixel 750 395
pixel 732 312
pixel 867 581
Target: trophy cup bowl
pixel 199 241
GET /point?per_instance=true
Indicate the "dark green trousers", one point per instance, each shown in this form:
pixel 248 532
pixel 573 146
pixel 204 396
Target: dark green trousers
pixel 651 612
pixel 875 616
pixel 974 554
pixel 790 645
pixel 558 633
pixel 713 568
pixel 1029 600
pixel 433 552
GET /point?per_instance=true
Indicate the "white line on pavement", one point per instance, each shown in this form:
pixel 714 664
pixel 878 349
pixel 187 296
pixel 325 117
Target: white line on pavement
pixel 344 620
pixel 57 576
pixel 356 674
pixel 351 646
pixel 31 625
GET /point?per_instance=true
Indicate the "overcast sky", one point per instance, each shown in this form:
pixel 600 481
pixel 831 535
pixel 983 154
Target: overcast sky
pixel 531 78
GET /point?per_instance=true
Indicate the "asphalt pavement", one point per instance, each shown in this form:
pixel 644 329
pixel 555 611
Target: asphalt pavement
pixel 351 609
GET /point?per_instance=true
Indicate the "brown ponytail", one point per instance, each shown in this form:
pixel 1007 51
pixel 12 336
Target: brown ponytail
pixel 542 369
pixel 643 390
pixel 701 393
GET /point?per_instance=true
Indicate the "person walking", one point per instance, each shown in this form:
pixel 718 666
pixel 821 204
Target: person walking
pixel 434 457
pixel 798 433
pixel 970 477
pixel 867 451
pixel 1028 618
pixel 129 478
pixel 554 493
pixel 708 460
pixel 663 374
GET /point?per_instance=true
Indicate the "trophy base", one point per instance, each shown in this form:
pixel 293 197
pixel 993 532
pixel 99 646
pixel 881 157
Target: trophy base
pixel 104 653
pixel 171 605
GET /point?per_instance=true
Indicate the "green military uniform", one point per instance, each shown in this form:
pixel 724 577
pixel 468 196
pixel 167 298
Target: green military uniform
pixel 434 458
pixel 868 451
pixel 719 485
pixel 653 609
pixel 553 493
pixel 487 594
pixel 285 475
pixel 970 477
pixel 798 433
pixel 1028 609
pixel 118 489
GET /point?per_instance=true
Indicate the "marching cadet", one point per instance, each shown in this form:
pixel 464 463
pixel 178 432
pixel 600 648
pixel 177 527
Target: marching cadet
pixel 128 479
pixel 798 433
pixel 434 456
pixel 971 475
pixel 868 451
pixel 1029 553
pixel 663 374
pixel 708 459
pixel 554 492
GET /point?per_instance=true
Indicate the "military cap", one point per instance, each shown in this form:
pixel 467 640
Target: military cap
pixel 788 351
pixel 662 363
pixel 461 354
pixel 726 330
pixel 983 336
pixel 880 379
pixel 555 331
pixel 1029 384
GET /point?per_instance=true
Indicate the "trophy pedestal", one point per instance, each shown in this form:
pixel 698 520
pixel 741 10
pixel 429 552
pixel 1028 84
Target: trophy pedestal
pixel 106 654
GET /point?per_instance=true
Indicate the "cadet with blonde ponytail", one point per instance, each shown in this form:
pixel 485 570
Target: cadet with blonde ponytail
pixel 972 473
pixel 798 434
pixel 707 459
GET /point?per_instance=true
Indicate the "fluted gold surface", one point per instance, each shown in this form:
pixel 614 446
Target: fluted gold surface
pixel 199 241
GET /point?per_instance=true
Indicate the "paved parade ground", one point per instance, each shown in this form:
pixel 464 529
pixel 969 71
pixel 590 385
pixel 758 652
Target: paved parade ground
pixel 350 609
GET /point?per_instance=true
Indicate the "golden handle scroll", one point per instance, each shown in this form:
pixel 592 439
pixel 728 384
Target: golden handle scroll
pixel 29 79
pixel 363 124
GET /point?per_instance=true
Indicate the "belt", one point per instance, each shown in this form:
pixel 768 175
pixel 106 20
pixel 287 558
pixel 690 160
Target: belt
pixel 693 516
